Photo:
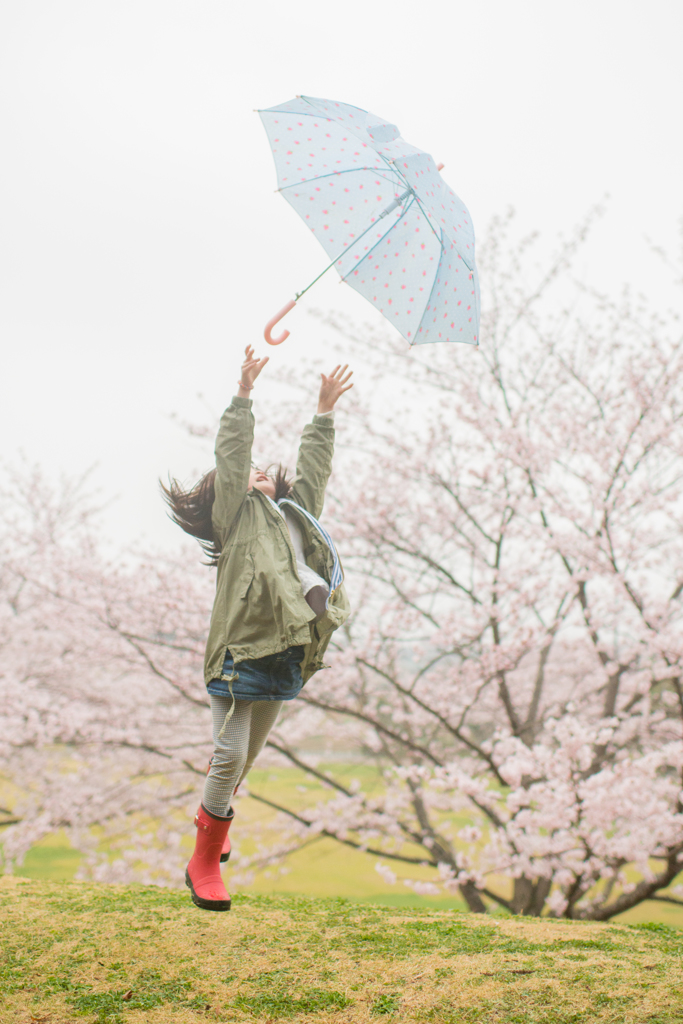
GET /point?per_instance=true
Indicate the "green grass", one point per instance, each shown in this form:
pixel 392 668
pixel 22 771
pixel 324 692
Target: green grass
pixel 128 954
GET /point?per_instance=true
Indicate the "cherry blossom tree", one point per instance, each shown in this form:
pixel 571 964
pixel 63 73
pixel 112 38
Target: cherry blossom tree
pixel 510 524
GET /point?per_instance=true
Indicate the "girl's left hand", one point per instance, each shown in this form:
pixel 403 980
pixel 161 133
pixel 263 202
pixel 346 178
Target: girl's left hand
pixel 332 387
pixel 251 367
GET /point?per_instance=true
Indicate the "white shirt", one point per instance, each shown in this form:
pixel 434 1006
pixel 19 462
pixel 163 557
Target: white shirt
pixel 308 577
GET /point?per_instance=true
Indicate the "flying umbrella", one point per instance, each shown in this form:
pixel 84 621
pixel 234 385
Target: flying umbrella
pixel 393 228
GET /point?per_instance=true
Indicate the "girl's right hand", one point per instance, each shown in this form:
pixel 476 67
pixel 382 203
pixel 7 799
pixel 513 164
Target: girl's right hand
pixel 251 367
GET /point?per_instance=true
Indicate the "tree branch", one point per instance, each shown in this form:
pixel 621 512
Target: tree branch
pixel 454 730
pixel 643 891
pixel 375 725
pixel 346 842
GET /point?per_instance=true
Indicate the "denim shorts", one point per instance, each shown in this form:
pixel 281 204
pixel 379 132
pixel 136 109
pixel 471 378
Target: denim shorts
pixel 275 677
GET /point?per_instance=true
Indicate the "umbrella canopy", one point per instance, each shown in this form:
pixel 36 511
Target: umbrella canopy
pixel 393 228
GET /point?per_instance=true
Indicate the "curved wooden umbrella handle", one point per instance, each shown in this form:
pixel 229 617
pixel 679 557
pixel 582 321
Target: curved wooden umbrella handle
pixel 271 323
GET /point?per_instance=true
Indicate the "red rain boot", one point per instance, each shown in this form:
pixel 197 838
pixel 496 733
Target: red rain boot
pixel 203 873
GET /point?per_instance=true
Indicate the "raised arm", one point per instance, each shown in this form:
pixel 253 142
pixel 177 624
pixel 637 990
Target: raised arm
pixel 233 448
pixel 314 463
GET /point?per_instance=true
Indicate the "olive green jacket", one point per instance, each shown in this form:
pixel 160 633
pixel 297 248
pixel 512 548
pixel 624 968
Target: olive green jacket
pixel 260 608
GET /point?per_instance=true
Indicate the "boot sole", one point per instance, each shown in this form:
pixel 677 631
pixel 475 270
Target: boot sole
pixel 225 857
pixel 199 901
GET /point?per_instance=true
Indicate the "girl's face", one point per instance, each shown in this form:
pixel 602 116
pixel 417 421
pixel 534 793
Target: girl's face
pixel 262 482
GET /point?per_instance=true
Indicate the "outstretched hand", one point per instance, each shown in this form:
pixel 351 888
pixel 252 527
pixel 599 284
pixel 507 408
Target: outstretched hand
pixel 332 387
pixel 251 367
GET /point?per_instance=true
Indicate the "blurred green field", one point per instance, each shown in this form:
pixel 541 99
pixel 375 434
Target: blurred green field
pixel 323 868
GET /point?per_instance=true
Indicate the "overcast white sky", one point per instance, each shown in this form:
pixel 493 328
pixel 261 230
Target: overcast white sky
pixel 142 244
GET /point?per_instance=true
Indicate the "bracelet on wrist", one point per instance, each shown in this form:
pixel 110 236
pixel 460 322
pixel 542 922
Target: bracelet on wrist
pixel 247 387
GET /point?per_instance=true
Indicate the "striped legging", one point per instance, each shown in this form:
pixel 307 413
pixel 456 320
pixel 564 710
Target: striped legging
pixel 236 750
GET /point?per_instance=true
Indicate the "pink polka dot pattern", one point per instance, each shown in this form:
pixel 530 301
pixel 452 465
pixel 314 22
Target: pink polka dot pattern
pixel 397 232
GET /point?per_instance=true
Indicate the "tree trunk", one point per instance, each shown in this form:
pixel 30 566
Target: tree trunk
pixel 529 897
pixel 472 898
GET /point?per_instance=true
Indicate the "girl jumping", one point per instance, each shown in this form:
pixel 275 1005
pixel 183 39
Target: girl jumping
pixel 279 598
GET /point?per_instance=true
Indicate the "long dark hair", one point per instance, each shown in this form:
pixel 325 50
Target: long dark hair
pixel 191 510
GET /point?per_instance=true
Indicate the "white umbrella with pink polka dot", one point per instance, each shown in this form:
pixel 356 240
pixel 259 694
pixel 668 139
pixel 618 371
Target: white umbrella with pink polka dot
pixel 392 227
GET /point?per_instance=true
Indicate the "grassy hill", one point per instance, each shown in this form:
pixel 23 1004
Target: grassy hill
pixel 128 954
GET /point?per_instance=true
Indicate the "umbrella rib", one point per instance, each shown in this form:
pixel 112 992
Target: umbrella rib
pixel 345 251
pixel 392 165
pixel 426 217
pixel 370 250
pixel 439 240
pixel 422 209
pixel 429 300
pixel 334 174
pixel 387 232
pixel 296 113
